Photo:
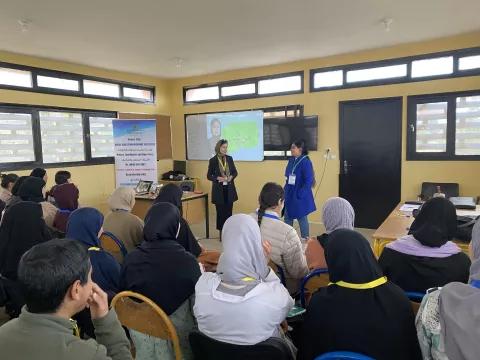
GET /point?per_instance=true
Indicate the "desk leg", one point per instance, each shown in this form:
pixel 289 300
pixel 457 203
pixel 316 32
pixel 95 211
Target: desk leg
pixel 207 218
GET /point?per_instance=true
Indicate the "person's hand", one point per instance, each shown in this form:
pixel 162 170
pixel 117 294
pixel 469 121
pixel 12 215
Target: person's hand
pixel 284 326
pixel 98 303
pixel 229 179
pixel 267 248
pixel 220 179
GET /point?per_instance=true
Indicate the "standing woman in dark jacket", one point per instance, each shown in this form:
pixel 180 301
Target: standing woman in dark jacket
pixel 222 173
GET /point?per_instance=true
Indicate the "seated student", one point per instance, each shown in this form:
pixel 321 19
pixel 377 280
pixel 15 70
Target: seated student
pixel 62 177
pixel 55 278
pixel 40 173
pixel 244 303
pixel 287 249
pixel 85 226
pixel 128 228
pixel 8 180
pixel 337 213
pixel 66 198
pixel 426 257
pixel 360 311
pixel 22 227
pixel 33 189
pixel 448 321
pixel 162 270
pixel 16 187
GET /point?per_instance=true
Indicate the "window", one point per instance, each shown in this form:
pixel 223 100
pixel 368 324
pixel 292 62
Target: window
pixel 101 88
pixel 62 137
pixel 20 77
pixel 101 137
pixel 202 94
pixel 448 64
pixel 41 136
pixel 279 84
pixel 444 127
pixel 14 77
pixel 57 83
pixel 377 73
pixel 432 67
pixel 328 79
pixel 236 90
pixel 16 138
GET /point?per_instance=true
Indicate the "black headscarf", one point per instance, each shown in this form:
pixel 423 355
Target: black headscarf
pixel 172 194
pixel 38 172
pixel 160 268
pixel 22 227
pixel 436 223
pixel 31 189
pixel 17 184
pixel 377 321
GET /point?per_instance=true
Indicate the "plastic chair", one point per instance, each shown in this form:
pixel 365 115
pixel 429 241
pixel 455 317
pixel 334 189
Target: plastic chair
pixel 279 271
pixel 204 347
pixel 145 317
pixel 312 282
pixel 113 245
pixel 340 355
pixel 415 300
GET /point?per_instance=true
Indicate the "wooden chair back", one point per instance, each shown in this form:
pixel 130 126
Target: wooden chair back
pixel 111 244
pixel 146 317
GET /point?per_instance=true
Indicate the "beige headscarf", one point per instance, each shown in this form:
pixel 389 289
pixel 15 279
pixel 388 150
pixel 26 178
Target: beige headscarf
pixel 123 198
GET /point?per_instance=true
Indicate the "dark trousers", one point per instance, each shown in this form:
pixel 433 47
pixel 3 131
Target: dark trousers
pixel 224 211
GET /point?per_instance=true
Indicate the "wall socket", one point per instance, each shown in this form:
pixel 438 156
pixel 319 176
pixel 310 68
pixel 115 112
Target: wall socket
pixel 328 154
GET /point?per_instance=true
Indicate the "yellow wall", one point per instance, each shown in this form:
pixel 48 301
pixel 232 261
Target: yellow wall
pixel 325 104
pixel 98 181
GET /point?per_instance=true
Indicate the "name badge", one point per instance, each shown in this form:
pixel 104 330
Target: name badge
pixel 291 179
pixel 225 183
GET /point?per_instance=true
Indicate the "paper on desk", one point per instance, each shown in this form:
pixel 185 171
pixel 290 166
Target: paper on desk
pixel 469 213
pixel 409 207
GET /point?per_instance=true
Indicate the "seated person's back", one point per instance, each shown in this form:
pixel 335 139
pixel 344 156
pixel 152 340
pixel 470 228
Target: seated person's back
pixel 56 281
pixel 426 257
pixel 361 311
pixel 244 303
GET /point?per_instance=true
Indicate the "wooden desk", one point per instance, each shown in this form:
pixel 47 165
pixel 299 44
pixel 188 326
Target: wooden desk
pixel 195 208
pixel 397 225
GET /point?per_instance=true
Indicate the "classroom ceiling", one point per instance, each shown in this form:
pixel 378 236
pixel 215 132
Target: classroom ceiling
pixel 181 38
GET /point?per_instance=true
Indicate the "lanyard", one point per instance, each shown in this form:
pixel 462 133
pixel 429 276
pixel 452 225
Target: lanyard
pixel 369 285
pixel 295 163
pixel 224 166
pixel 271 216
pixel 94 248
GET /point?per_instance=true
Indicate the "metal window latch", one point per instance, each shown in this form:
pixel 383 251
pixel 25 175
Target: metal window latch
pixel 412 127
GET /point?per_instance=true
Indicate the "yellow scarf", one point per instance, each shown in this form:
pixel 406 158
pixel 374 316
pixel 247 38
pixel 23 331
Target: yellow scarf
pixel 224 168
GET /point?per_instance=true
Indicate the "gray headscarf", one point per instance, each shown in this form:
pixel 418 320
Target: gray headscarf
pixel 242 255
pixel 475 249
pixel 338 214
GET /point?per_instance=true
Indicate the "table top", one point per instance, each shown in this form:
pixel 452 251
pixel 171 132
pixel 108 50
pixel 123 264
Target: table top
pixel 398 223
pixel 187 195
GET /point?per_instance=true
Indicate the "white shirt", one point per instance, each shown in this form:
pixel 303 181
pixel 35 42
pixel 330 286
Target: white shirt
pixel 241 320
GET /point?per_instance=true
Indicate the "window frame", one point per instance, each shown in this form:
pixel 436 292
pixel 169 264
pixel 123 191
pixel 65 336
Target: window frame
pixel 297 107
pixel 34 110
pixel 449 155
pixel 254 80
pixel 78 77
pixel 457 54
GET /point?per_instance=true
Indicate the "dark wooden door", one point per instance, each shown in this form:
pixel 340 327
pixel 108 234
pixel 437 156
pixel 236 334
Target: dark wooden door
pixel 370 158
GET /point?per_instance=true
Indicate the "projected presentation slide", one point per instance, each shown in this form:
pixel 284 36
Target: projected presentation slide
pixel 242 129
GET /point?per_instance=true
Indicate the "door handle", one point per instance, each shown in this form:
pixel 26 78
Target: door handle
pixel 345 167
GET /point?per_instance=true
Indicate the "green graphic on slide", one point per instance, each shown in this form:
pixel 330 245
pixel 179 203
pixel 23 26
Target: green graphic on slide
pixel 241 135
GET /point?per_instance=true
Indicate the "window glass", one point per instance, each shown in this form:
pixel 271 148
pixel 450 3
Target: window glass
pixel 431 125
pixel 16 138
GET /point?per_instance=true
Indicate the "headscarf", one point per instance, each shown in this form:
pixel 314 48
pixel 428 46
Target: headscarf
pixel 172 194
pixel 123 198
pixel 243 261
pixel 436 223
pixel 475 249
pixel 338 214
pixel 160 268
pixel 66 196
pixel 38 173
pixel 161 223
pixel 459 315
pixel 22 227
pixel 17 184
pixel 350 258
pixel 84 225
pixel 31 189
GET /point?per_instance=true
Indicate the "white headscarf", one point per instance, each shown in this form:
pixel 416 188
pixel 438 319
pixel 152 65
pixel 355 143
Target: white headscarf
pixel 475 245
pixel 338 214
pixel 242 261
pixel 123 198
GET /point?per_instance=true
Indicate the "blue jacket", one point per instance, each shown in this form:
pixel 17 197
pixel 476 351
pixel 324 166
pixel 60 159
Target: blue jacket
pixel 299 200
